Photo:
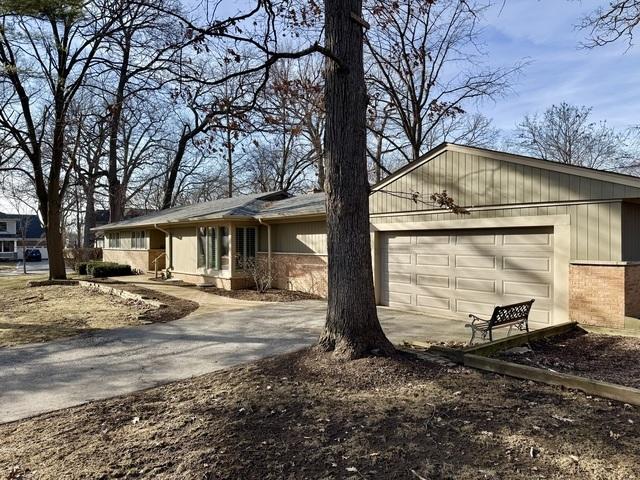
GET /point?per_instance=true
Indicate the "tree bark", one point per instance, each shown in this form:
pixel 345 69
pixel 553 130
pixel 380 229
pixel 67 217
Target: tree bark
pixel 88 237
pixel 352 329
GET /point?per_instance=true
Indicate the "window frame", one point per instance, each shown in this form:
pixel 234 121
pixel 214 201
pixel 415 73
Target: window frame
pixel 136 237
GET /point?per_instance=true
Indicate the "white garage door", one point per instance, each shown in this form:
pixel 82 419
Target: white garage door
pixel 458 272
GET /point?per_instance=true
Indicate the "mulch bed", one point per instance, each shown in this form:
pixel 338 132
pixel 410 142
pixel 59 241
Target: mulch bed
pixel 608 358
pixel 305 416
pixel 272 295
pixel 175 307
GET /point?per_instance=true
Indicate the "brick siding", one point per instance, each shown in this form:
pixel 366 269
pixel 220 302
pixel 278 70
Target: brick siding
pixel 604 295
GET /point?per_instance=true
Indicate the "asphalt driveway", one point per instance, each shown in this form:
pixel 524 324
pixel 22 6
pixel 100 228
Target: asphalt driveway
pixel 39 378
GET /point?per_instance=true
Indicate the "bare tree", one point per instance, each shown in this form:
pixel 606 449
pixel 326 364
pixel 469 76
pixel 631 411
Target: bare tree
pixel 47 51
pixel 425 68
pixel 565 133
pixel 610 23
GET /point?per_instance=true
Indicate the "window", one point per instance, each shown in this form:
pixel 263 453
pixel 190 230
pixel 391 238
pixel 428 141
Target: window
pixel 3 226
pixel 7 246
pixel 114 240
pixel 212 261
pixel 202 247
pixel 245 244
pixel 138 240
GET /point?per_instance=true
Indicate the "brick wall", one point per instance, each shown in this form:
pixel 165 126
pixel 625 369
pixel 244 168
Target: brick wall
pixel 305 273
pixel 632 291
pixel 603 294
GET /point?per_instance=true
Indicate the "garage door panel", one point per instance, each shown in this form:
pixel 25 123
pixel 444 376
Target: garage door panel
pixel 399 258
pixel 476 261
pixel 527 239
pixel 476 239
pixel 441 260
pixel 527 289
pixel 399 278
pixel 460 272
pixel 539 316
pixel 441 281
pixel 475 285
pixel 399 298
pixel 537 264
pixel 433 239
pixel 440 303
pixel 475 307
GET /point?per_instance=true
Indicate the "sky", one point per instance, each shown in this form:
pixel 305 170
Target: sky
pixel 544 34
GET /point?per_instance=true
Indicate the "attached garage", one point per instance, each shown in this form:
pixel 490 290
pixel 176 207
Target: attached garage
pixel 566 236
pixel 453 273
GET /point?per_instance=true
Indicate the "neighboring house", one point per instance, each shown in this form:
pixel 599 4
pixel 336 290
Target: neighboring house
pixel 567 236
pixel 12 239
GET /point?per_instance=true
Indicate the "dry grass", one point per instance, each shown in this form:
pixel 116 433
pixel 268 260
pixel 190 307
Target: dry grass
pixel 303 416
pixel 41 314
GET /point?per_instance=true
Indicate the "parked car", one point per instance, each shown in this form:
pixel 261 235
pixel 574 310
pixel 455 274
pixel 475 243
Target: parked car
pixel 32 255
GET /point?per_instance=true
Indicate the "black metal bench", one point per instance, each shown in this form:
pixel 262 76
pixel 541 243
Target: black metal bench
pixel 515 315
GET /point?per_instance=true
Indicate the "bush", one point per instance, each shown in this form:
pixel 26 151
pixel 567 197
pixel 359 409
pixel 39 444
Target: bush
pixel 74 257
pixel 83 268
pixel 107 269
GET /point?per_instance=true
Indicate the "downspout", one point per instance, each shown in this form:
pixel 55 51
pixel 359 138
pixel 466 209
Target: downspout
pixel 169 247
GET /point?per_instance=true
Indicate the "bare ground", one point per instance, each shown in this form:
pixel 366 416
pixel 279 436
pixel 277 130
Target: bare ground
pixel 609 358
pixel 303 416
pixel 42 314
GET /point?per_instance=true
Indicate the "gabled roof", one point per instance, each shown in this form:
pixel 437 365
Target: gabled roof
pixel 603 175
pixel 240 207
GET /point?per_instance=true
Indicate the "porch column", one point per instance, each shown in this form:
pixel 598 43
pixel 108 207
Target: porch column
pixel 232 250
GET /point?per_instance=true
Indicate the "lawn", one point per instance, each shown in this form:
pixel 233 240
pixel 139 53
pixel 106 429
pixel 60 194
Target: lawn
pixel 302 415
pixel 40 314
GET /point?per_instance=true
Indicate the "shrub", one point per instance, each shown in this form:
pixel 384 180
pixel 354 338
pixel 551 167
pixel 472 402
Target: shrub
pixel 84 268
pixel 74 257
pixel 260 270
pixel 107 269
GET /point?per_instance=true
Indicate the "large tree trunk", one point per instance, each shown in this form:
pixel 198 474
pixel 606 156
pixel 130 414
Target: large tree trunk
pixel 352 328
pixel 55 242
pixel 89 237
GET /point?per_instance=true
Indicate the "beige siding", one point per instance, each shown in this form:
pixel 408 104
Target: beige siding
pixel 304 237
pixel 595 228
pixel 474 180
pixel 184 249
pixel 478 181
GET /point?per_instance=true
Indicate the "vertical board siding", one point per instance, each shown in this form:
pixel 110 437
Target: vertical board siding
pixel 476 181
pixel 306 237
pixel 595 228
